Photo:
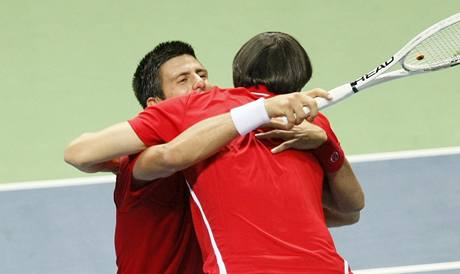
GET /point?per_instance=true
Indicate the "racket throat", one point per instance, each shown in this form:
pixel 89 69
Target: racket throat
pixel 361 81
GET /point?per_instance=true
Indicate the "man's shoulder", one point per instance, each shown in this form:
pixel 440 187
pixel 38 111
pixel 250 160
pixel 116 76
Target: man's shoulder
pixel 219 90
pixel 218 93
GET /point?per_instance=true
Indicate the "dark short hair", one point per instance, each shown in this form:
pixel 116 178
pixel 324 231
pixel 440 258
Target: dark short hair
pixel 146 80
pixel 274 59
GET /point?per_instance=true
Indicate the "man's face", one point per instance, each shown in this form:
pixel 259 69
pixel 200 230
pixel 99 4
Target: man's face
pixel 181 74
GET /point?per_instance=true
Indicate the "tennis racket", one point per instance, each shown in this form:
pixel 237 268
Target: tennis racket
pixel 436 48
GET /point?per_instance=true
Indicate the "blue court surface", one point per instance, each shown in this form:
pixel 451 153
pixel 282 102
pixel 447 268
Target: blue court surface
pixel 411 223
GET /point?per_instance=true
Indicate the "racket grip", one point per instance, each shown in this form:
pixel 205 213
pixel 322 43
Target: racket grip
pixel 338 94
pixel 320 102
pixel 305 109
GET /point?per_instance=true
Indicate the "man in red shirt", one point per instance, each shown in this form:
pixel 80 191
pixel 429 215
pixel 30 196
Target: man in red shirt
pixel 254 211
pixel 110 136
pixel 154 231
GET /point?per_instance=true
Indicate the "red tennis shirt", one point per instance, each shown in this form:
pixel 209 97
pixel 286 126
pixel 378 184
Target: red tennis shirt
pixel 253 211
pixel 154 231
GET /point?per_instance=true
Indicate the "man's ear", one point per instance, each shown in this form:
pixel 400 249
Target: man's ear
pixel 153 101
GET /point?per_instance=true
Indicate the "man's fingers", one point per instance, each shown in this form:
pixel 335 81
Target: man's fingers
pixel 292 105
pixel 290 117
pixel 283 146
pixel 265 135
pixel 280 134
pixel 310 103
pixel 276 123
pixel 317 92
pixel 300 114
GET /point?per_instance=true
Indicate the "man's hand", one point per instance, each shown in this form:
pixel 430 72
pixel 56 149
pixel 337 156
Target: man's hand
pixel 303 136
pixel 291 106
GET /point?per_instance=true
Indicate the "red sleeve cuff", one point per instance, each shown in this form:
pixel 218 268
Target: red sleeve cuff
pixel 330 154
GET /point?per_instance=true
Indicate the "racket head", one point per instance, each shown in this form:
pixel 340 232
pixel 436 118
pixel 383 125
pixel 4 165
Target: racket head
pixel 436 48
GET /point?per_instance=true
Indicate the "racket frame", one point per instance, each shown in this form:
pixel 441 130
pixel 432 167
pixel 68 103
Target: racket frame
pixel 378 75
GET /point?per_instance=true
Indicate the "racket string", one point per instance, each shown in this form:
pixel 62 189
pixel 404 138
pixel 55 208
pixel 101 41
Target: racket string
pixel 439 50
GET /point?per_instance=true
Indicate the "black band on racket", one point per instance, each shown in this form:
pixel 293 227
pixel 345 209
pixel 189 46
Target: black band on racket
pixel 353 86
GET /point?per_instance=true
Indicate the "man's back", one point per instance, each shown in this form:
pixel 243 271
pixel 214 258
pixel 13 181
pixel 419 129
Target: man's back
pixel 264 210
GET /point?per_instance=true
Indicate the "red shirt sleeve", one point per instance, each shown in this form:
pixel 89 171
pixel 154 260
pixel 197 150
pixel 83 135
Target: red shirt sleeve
pixel 124 183
pixel 160 123
pixel 162 191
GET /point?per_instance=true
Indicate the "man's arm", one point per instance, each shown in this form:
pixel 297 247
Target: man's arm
pixel 94 152
pixel 345 189
pixel 197 143
pixel 205 138
pixel 99 151
pixel 335 218
pixel 343 197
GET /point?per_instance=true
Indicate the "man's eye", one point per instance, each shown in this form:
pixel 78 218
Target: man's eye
pixel 182 80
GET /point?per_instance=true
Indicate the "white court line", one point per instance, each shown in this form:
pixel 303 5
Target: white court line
pixel 409 154
pixel 80 181
pixel 411 268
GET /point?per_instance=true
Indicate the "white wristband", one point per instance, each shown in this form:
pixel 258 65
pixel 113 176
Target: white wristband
pixel 249 116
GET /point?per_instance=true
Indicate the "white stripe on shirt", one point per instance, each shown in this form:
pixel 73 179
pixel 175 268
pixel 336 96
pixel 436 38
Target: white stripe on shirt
pixel 220 261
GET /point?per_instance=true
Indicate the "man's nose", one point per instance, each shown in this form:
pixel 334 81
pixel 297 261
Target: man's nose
pixel 199 84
